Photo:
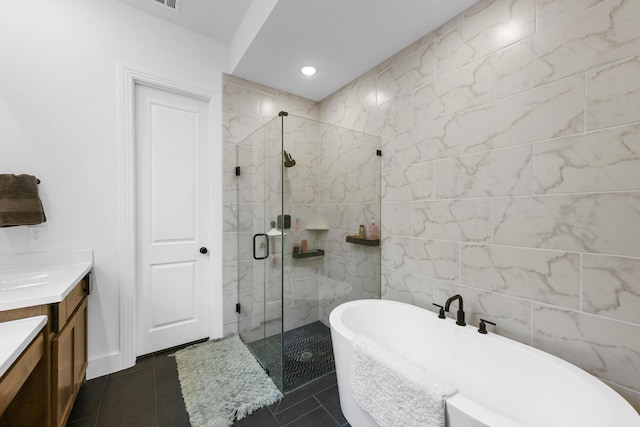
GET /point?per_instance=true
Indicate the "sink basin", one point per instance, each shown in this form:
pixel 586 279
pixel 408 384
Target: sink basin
pixel 18 279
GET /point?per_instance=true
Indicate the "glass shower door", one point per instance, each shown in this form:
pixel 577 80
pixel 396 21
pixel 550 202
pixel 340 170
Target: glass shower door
pixel 259 246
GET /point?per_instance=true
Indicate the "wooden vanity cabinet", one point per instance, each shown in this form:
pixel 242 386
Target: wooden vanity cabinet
pixel 23 388
pixel 69 352
pixel 65 351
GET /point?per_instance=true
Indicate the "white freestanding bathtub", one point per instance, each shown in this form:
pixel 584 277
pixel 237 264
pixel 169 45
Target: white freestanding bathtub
pixel 500 382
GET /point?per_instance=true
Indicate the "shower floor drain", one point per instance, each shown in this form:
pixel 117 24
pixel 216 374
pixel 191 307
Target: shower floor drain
pixel 306 355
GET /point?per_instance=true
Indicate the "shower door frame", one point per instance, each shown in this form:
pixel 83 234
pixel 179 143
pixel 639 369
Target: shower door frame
pixel 248 312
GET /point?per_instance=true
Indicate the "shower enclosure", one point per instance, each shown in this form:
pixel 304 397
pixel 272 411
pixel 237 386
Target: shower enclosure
pixel 303 189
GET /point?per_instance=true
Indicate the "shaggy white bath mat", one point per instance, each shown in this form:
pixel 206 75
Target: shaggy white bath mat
pixel 221 382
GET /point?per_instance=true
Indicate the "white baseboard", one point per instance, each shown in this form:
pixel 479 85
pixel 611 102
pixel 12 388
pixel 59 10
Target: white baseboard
pixel 104 365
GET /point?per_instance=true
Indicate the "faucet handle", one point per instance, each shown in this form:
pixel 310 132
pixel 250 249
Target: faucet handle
pixel 482 328
pixel 441 312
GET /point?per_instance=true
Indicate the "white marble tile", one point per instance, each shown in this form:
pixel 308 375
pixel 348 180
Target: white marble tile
pixel 330 165
pixel 236 127
pixel 606 348
pixel 599 161
pixel 428 258
pixel 333 293
pixel 597 223
pixel 229 306
pixel 505 172
pixel 229 161
pixel 433 140
pixel 335 268
pixel 553 110
pixel 613 93
pixel 364 277
pixel 388 118
pixel 330 291
pixel 229 247
pixel 406 74
pixel 467 87
pixel 230 327
pixel 544 276
pixel 363 158
pixel 340 217
pixel 300 137
pixel 396 219
pixel 500 24
pixel 348 103
pixel 363 188
pixel 386 145
pixel 386 251
pixel 611 287
pixel 551 12
pixel 602 34
pixel 409 288
pixel 229 218
pixel 336 138
pixel 250 155
pixel 230 274
pixel 305 290
pixel 363 212
pixel 422 43
pixel 411 182
pixel 300 315
pixel 467 220
pixel 512 315
pixel 272 104
pixel 241 100
pixel 324 310
pixel 363 253
pixel 238 81
pixel 294 191
pixel 229 188
pixel 336 244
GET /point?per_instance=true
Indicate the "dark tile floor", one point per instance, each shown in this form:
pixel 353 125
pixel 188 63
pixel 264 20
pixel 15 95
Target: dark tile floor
pixel 148 394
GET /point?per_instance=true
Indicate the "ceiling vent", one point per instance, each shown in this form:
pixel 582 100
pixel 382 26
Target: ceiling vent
pixel 172 4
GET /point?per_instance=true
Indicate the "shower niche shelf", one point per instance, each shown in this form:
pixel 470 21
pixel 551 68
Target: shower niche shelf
pixel 317 228
pixel 309 254
pixel 365 242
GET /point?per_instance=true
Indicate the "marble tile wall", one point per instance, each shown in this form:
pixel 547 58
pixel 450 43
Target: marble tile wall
pixel 511 174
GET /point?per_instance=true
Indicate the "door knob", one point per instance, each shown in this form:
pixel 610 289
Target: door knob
pixel 203 250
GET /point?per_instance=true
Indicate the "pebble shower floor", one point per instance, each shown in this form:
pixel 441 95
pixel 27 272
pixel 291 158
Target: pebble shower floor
pixel 307 351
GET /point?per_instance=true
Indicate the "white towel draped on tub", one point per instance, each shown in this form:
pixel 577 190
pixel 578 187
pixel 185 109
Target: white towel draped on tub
pixel 395 391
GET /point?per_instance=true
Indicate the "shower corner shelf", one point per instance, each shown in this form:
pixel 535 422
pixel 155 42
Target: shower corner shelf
pixel 309 254
pixel 365 242
pixel 317 228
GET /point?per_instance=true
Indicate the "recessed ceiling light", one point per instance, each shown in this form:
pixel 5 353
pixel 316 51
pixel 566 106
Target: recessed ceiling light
pixel 308 70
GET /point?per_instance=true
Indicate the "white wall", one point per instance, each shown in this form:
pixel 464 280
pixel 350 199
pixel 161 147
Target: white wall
pixel 59 89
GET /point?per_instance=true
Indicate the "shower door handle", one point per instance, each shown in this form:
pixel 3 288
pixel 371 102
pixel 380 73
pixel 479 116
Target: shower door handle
pixel 254 246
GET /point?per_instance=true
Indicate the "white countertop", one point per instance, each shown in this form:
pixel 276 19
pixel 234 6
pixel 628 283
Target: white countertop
pixel 41 278
pixel 16 336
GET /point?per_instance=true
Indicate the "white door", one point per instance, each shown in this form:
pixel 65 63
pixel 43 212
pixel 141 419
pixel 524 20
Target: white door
pixel 172 214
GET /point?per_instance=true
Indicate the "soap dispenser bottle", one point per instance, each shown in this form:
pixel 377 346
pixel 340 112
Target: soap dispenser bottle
pixel 374 234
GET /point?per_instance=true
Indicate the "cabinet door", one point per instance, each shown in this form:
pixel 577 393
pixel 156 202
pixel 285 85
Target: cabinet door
pixel 63 384
pixel 81 359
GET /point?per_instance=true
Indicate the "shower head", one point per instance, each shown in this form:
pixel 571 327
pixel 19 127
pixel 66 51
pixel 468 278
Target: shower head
pixel 288 160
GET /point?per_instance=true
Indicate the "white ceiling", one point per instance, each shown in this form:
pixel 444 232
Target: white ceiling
pixel 270 40
pixel 218 19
